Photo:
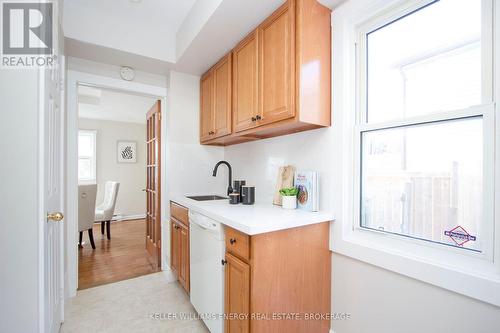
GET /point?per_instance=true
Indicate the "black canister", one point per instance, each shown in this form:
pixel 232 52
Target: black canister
pixel 248 194
pixel 237 187
pixel 234 198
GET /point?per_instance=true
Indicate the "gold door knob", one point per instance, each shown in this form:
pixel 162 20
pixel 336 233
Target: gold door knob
pixel 55 217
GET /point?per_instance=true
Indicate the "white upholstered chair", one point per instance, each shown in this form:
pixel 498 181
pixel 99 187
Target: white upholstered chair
pixel 86 211
pixel 105 211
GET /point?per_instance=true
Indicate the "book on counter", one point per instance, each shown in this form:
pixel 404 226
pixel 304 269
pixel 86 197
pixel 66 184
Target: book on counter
pixel 308 184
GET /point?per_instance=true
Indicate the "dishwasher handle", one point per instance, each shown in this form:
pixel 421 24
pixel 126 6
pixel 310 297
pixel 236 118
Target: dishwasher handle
pixel 207 224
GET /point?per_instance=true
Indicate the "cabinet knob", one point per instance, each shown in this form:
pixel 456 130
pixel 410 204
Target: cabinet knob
pixel 254 119
pixel 258 117
pixel 223 262
pixel 232 241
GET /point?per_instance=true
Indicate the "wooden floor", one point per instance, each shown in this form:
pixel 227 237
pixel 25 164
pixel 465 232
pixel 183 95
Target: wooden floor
pixel 123 257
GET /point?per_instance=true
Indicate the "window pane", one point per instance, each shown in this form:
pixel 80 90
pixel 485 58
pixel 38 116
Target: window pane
pixel 428 61
pixel 85 144
pixel 84 168
pixel 423 181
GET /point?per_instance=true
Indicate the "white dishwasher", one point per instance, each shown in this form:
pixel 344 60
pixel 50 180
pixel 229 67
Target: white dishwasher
pixel 206 270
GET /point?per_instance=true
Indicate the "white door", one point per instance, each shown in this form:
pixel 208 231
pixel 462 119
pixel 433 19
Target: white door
pixel 51 149
pixel 53 205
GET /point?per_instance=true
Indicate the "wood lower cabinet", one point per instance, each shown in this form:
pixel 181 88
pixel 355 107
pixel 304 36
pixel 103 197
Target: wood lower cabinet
pixel 179 244
pixel 174 247
pixel 184 256
pixel 237 294
pixel 285 272
pixel 281 76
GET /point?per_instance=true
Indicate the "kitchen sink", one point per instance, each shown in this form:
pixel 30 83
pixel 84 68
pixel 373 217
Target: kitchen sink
pixel 206 197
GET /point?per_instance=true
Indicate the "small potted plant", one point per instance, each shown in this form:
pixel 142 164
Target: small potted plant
pixel 289 197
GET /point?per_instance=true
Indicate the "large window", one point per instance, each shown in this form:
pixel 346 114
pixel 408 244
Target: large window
pixel 87 156
pixel 425 125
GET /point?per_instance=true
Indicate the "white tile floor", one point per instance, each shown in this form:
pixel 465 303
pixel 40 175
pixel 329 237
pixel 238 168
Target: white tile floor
pixel 128 306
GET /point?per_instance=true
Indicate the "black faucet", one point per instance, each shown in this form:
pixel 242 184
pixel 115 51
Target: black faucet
pixel 214 173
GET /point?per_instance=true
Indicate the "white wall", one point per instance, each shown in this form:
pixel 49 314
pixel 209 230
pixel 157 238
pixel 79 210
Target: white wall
pixel 131 176
pixel 111 71
pixel 258 162
pixel 19 215
pixel 382 301
pixel 188 164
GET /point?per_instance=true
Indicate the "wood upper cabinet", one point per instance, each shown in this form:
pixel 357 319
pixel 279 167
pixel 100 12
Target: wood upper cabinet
pixel 237 294
pixel 281 77
pixel 276 65
pixel 215 101
pixel 179 244
pixel 245 83
pixel 206 106
pixel 222 97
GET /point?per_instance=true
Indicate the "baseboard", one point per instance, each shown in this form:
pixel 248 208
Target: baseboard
pixel 332 331
pixel 120 217
pixel 169 274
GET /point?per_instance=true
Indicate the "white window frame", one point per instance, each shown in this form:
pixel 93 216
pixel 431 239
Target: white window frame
pixel 93 159
pixel 475 274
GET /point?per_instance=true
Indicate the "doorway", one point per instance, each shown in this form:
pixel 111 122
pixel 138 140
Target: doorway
pixel 119 174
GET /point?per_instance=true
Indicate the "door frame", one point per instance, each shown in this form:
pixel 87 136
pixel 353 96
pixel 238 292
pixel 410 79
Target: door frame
pixel 74 79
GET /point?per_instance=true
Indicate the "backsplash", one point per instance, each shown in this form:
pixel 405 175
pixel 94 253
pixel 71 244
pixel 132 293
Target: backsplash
pixel 258 162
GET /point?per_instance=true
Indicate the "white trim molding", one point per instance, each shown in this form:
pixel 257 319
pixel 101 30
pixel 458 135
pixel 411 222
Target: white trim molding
pixel 76 78
pixel 119 217
pixel 473 275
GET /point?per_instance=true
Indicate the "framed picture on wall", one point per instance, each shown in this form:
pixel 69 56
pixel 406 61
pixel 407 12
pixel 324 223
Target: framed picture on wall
pixel 127 151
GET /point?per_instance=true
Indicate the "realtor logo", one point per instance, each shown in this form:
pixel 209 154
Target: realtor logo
pixel 27 30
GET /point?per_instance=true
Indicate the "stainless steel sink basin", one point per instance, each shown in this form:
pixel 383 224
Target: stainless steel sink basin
pixel 206 197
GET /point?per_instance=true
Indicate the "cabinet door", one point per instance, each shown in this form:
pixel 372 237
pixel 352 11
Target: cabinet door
pixel 245 83
pixel 174 247
pixel 277 65
pixel 207 106
pixel 237 294
pixel 222 97
pixel 184 256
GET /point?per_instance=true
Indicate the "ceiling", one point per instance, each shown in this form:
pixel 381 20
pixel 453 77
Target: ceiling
pixel 104 104
pixel 147 28
pixel 162 35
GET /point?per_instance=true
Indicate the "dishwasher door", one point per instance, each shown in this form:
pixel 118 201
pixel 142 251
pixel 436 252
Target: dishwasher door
pixel 206 271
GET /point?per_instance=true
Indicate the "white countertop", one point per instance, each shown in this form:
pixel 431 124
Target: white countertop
pixel 253 219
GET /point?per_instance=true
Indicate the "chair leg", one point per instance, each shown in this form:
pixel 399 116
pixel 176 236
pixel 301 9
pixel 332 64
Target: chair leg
pixel 108 229
pixel 102 228
pixel 80 238
pixel 91 236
